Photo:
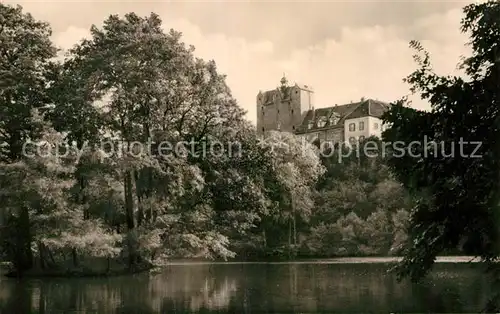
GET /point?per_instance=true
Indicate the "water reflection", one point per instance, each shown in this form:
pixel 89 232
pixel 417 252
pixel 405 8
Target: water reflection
pixel 245 288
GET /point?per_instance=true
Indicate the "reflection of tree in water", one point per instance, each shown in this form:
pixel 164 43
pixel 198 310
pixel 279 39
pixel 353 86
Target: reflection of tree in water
pixel 185 288
pixel 213 297
pixel 254 288
pixel 49 295
pixel 355 288
pixel 195 288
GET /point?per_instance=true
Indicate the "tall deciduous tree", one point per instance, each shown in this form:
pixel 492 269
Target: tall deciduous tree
pixel 159 92
pixel 298 167
pixel 25 58
pixel 458 190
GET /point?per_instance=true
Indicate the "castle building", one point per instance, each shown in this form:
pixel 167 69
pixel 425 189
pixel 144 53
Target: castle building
pixel 291 109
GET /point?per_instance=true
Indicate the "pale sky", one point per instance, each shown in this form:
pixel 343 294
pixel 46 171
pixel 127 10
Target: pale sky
pixel 345 50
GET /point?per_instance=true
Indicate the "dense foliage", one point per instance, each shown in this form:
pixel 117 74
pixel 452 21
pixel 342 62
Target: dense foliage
pixel 360 208
pixel 131 151
pixel 456 177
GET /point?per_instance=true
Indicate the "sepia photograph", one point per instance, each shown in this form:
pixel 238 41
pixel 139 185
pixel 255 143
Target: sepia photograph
pixel 249 156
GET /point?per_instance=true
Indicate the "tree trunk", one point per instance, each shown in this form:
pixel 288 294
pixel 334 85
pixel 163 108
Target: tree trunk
pixel 82 183
pixel 24 255
pixel 80 143
pixel 51 256
pixel 15 144
pixel 129 212
pixel 74 255
pixel 139 193
pixel 289 237
pixel 42 255
pixel 264 237
pixel 129 200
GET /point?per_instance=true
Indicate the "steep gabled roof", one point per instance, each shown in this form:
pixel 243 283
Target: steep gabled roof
pixel 363 108
pixel 377 108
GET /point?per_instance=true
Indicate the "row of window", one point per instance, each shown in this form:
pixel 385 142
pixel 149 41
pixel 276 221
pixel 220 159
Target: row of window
pixel 352 126
pixel 278 128
pixel 352 139
pixel 322 121
pixel 263 113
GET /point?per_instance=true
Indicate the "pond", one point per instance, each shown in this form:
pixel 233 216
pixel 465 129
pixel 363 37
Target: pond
pixel 313 287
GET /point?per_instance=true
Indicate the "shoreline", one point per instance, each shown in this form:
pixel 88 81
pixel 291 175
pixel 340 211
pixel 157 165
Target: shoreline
pixel 73 273
pixel 338 260
pixel 341 260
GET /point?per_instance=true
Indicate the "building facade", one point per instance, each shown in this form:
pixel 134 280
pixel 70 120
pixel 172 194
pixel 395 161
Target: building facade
pixel 284 107
pixel 291 109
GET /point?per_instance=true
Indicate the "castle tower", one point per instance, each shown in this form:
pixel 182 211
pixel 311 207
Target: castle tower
pixel 284 107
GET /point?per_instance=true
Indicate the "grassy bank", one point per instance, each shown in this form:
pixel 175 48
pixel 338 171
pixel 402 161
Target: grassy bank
pixel 95 267
pixel 71 273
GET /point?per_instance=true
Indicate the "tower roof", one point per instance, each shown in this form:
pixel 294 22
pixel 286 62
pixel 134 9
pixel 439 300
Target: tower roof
pixel 284 81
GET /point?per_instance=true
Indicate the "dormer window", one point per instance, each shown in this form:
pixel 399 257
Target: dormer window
pixel 310 124
pixel 334 119
pixel 321 122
